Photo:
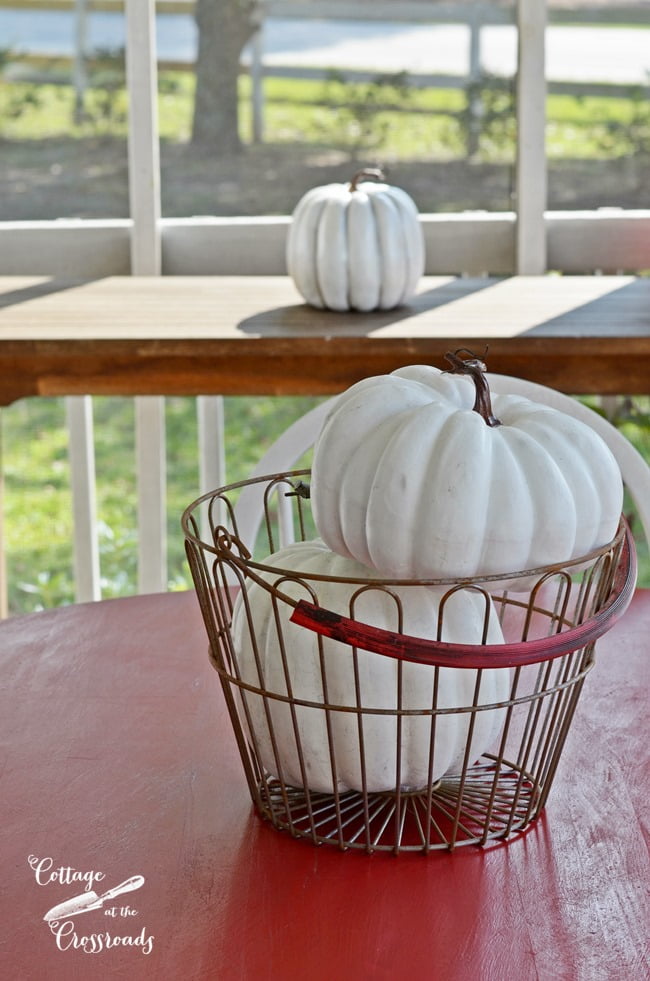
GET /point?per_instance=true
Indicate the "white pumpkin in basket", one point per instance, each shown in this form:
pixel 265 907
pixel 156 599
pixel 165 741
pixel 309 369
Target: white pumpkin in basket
pixel 418 475
pixel 294 666
pixel 356 246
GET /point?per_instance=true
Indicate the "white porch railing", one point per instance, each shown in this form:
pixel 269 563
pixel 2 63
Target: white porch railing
pixel 610 240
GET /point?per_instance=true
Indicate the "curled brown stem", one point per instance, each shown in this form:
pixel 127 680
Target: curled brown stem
pixel 475 368
pixel 368 173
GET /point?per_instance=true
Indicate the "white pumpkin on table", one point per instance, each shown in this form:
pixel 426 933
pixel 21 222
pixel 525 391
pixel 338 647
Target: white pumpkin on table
pixel 356 246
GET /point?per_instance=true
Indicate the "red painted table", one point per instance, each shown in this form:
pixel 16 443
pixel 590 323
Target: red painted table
pixel 117 761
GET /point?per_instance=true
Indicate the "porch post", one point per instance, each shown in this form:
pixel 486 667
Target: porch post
pixel 531 181
pixel 144 153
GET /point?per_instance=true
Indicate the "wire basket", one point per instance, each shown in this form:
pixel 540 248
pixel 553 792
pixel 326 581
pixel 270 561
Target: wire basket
pixel 341 758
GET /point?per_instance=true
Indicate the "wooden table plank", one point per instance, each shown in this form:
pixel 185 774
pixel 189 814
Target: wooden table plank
pixel 253 335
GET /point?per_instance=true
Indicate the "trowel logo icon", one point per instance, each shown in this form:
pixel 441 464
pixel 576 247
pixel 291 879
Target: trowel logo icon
pixel 90 900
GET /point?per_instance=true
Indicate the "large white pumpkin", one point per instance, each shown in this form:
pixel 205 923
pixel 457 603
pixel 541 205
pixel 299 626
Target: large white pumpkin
pixel 411 477
pixel 255 629
pixel 356 246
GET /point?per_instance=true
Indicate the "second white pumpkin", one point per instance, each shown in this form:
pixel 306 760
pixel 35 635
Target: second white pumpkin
pixel 309 747
pixel 356 246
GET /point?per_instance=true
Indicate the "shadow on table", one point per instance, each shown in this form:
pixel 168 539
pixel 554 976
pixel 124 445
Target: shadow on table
pixel 297 317
pixel 619 309
pixel 46 287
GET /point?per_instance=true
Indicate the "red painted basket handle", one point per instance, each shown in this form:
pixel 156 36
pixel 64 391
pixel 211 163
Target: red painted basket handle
pixel 445 655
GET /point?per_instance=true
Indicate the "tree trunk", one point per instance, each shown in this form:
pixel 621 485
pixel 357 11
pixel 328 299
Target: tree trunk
pixel 224 27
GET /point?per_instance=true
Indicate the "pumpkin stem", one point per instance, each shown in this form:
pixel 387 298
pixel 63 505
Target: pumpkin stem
pixel 476 369
pixel 369 173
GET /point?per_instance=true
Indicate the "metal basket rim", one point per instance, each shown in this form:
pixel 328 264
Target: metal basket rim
pixel 444 654
pixel 246 561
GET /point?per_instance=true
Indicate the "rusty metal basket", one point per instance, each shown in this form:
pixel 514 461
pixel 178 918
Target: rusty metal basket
pixel 548 626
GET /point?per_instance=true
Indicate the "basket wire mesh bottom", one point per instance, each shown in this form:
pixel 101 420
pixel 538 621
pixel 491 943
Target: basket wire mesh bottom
pixel 490 801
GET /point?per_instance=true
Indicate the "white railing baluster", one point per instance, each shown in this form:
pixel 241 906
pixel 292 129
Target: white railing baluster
pixel 212 451
pixel 151 470
pixel 152 512
pixel 286 529
pixel 81 454
pixel 144 196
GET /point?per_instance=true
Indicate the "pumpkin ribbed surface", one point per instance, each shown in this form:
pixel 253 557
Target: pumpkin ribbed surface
pixel 331 742
pixel 409 480
pixel 355 247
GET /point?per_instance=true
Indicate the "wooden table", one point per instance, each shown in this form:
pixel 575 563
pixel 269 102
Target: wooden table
pixel 117 759
pixel 253 335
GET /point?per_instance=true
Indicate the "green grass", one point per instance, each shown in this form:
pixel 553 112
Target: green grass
pixel 37 500
pixel 408 123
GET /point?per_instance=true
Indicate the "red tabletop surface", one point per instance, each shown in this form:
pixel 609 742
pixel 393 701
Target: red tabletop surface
pixel 117 760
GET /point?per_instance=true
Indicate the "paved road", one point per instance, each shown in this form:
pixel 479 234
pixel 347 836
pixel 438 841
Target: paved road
pixel 588 54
